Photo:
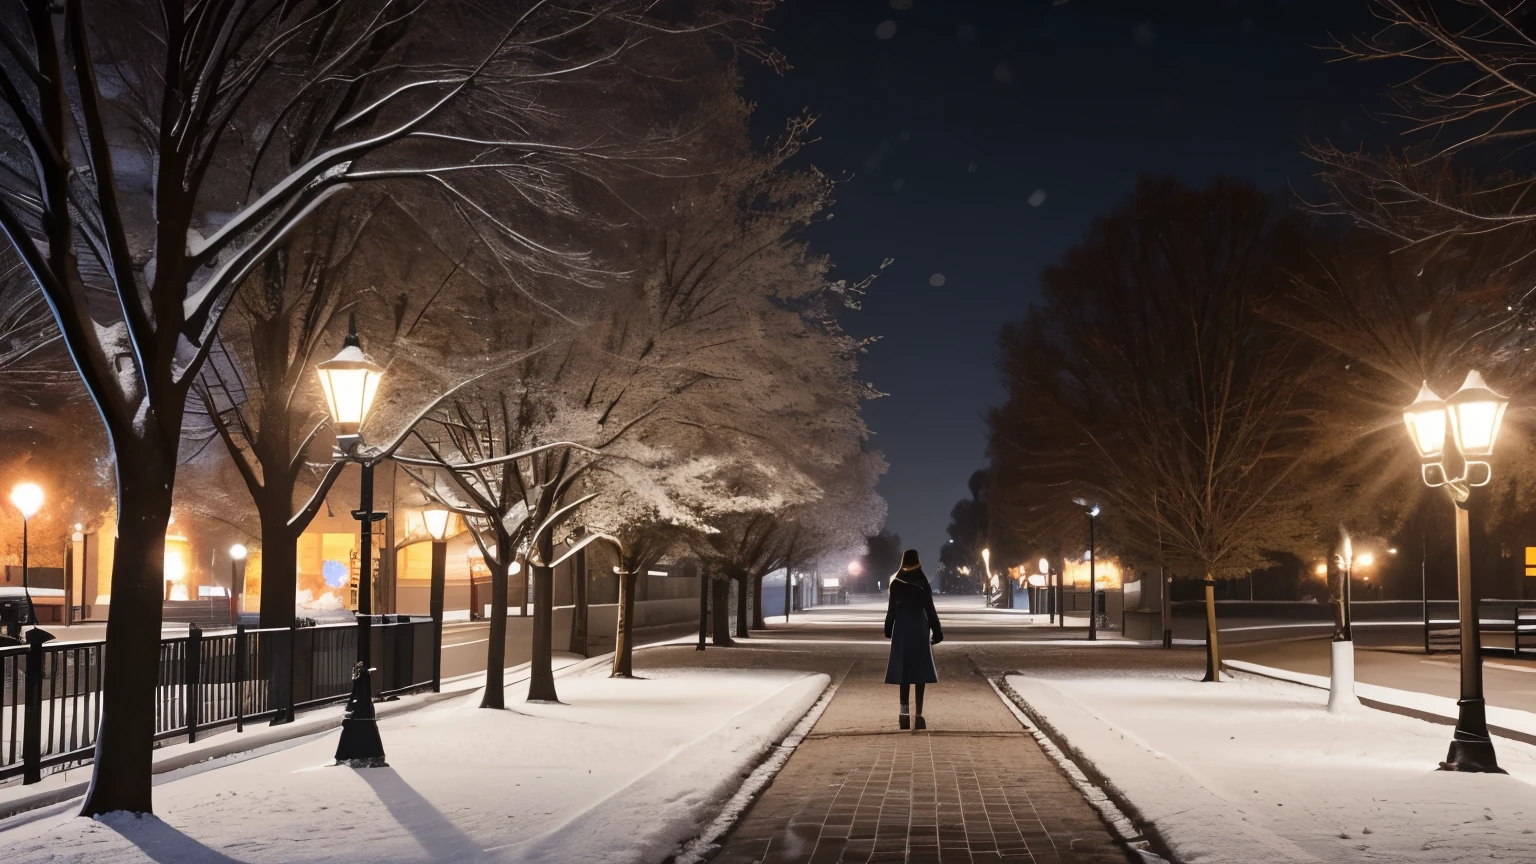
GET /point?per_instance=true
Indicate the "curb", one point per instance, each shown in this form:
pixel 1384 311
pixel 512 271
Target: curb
pixel 1277 674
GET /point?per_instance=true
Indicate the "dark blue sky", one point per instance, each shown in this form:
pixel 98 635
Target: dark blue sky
pixel 951 120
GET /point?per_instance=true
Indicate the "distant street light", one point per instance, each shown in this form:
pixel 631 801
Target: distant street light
pixel 1050 592
pixel 237 554
pixel 28 498
pixel 351 381
pixel 437 520
pixel 1474 414
pixel 1093 596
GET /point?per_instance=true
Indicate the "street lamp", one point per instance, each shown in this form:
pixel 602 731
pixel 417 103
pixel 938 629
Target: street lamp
pixel 1474 414
pixel 1050 593
pixel 437 519
pixel 1093 599
pixel 350 381
pixel 986 564
pixel 28 498
pixel 237 554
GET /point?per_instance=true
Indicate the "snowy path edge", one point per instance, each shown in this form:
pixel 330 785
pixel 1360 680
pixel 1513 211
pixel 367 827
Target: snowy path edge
pixel 1183 811
pixel 1118 813
pixel 802 694
pixel 709 841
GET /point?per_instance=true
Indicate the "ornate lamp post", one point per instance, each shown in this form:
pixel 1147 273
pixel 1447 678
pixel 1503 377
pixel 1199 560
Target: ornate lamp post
pixel 28 498
pixel 438 520
pixel 237 554
pixel 1474 414
pixel 350 381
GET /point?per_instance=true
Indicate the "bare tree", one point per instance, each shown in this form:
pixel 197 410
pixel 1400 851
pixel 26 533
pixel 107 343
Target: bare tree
pixel 146 177
pixel 1464 109
pixel 514 498
pixel 1148 377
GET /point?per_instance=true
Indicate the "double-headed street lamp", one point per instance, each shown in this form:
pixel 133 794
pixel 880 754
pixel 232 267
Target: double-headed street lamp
pixel 350 381
pixel 1473 414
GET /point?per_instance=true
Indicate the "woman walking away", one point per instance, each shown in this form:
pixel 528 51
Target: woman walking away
pixel 913 627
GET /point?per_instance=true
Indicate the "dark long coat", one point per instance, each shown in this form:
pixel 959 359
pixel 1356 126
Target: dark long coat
pixel 912 625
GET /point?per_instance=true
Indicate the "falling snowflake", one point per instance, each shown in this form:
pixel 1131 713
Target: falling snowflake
pixel 936 280
pixel 1037 197
pixel 886 29
pixel 898 184
pixel 1003 72
pixel 1144 34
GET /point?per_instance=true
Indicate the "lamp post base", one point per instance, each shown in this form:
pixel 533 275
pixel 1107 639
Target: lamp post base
pixel 1471 748
pixel 360 745
pixel 1341 677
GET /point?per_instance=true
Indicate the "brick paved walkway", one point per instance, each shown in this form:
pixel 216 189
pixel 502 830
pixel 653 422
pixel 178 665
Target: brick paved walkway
pixel 973 788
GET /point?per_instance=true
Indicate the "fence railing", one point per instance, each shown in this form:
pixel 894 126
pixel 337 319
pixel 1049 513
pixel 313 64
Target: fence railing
pixel 50 693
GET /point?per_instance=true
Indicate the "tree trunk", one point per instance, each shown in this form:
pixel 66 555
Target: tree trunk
pixel 541 672
pixel 720 600
pixel 757 602
pixel 579 603
pixel 125 739
pixel 623 646
pixel 279 565
pixel 1212 654
pixel 496 642
pixel 743 587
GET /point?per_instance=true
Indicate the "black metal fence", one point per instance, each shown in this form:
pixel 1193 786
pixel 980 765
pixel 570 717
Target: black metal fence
pixel 50 695
pixel 1506 626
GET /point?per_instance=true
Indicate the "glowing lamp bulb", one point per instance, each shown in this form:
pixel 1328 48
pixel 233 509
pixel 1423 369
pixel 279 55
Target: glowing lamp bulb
pixel 28 498
pixel 437 522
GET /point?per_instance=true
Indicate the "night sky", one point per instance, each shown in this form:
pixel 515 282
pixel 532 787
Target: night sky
pixel 977 141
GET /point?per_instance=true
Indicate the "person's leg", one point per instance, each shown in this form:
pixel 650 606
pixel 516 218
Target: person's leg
pixel 904 719
pixel 904 692
pixel 920 698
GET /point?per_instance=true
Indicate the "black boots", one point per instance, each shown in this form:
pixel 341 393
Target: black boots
pixel 919 723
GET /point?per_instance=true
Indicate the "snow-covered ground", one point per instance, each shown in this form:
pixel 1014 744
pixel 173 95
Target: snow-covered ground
pixel 1257 770
pixel 625 771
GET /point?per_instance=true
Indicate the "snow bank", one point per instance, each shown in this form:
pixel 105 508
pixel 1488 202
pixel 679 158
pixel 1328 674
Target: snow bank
pixel 1257 770
pixel 625 771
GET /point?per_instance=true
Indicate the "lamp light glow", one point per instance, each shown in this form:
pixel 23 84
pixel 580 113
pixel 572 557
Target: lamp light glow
pixel 350 380
pixel 1045 565
pixel 437 520
pixel 238 552
pixel 28 498
pixel 1426 423
pixel 1476 412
